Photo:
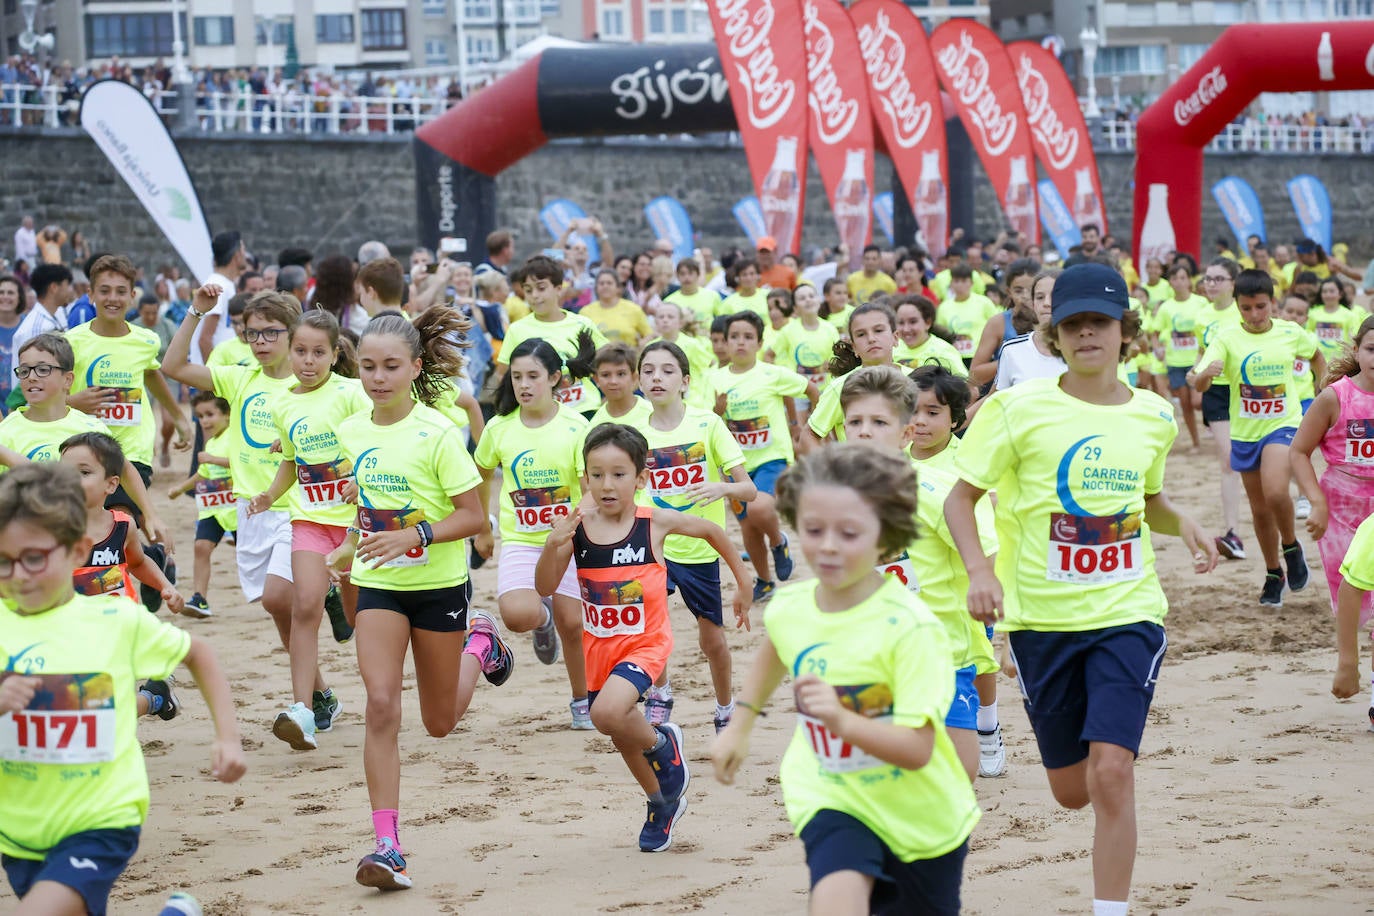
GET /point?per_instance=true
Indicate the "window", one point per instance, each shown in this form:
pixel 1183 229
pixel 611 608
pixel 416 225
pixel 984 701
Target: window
pixel 130 34
pixel 549 7
pixel 525 11
pixel 479 11
pixel 480 50
pixel 1227 12
pixel 612 24
pixel 436 52
pixel 384 30
pixel 214 30
pixel 1141 14
pixel 434 7
pixel 677 22
pixel 279 34
pixel 334 29
pixel 1190 54
pixel 1130 61
pixel 657 22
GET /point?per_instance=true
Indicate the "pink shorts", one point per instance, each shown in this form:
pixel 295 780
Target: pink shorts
pixel 515 570
pixel 312 537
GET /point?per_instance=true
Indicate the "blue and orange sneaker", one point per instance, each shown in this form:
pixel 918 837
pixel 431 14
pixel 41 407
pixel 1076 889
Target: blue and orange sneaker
pixel 670 763
pixel 782 560
pixel 384 869
pixel 657 833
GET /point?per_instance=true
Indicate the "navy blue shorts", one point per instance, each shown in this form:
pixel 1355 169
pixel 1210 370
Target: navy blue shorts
pixel 89 863
pixel 699 587
pixel 836 841
pixel 1216 405
pixel 438 610
pixel 1178 376
pixel 1245 456
pixel 765 478
pixel 630 672
pixel 1094 685
pixel 209 529
pixel 963 711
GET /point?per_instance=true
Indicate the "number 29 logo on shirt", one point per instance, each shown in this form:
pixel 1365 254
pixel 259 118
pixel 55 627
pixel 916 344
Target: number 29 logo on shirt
pixel 1086 548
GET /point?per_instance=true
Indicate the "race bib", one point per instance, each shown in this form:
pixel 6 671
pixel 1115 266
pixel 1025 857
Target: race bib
pixel 1093 549
pixel 1300 367
pixel 71 720
pixel 873 701
pixel 1330 331
pixel 1359 442
pixel 537 508
pixel 613 608
pixel 675 480
pixel 323 484
pixel 813 374
pixel 125 410
pixel 1182 341
pixel 1262 402
pixel 372 521
pixel 214 494
pixel 572 394
pixel 965 345
pixel 752 434
pixel 98 580
pixel 901 570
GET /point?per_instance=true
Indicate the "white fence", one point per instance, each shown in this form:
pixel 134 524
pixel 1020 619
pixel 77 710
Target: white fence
pixel 1260 138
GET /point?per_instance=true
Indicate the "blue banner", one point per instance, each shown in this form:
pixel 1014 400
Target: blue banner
pixel 1058 221
pixel 882 215
pixel 1240 206
pixel 669 220
pixel 749 215
pixel 1313 206
pixel 558 214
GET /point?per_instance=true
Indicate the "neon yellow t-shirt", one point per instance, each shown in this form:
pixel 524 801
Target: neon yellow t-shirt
pixel 702 304
pixel 119 363
pixel 249 391
pixel 71 761
pixel 307 425
pixel 806 352
pixel 1071 480
pixel 623 322
pixel 215 488
pixel 1358 566
pixel 939 284
pixel 40 441
pixel 932 350
pixel 755 413
pixel 840 320
pixel 888 659
pixel 543 470
pixel 738 302
pixel 1177 324
pixel 637 416
pixel 232 352
pixel 966 319
pixel 409 472
pixel 697 451
pixel 1159 290
pixel 447 404
pixel 863 287
pixel 1292 268
pixel 579 394
pixel 827 415
pixel 1260 372
pixel 1336 329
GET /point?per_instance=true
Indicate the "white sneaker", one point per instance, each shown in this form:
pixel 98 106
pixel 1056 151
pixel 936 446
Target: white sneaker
pixel 581 716
pixel 1302 508
pixel 992 753
pixel 296 726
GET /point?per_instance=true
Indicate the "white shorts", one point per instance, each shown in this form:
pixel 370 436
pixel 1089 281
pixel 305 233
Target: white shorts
pixel 515 570
pixel 262 548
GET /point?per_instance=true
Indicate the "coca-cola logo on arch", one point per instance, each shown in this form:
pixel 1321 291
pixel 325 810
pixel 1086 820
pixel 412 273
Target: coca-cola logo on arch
pixel 967 71
pixel 1059 140
pixel 884 55
pixel 747 25
pixel 1211 85
pixel 836 114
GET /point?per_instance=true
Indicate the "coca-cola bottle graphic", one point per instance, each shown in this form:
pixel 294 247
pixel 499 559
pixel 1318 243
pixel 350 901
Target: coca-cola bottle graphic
pixel 1157 238
pixel 1087 209
pixel 1020 203
pixel 931 205
pixel 781 194
pixel 852 207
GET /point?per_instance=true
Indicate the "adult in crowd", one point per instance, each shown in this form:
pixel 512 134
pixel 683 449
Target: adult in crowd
pixel 13 302
pixel 372 251
pixel 500 251
pixel 26 242
pixel 52 283
pixel 334 292
pixel 772 273
pixel 292 279
pixel 231 260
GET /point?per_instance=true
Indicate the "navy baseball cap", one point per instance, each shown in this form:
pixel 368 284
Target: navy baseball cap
pixel 1092 288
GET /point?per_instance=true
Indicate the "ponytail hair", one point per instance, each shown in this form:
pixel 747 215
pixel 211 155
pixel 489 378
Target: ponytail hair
pixel 577 366
pixel 1347 364
pixel 345 356
pixel 433 339
pixel 846 358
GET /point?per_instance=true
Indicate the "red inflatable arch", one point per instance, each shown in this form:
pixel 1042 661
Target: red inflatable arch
pixel 1245 61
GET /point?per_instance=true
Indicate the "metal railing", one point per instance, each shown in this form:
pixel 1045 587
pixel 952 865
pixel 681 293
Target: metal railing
pixel 1260 138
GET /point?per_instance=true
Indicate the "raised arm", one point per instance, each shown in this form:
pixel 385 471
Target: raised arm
pixel 177 361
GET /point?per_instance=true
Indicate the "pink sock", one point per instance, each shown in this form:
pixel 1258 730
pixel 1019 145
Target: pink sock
pixel 478 645
pixel 384 824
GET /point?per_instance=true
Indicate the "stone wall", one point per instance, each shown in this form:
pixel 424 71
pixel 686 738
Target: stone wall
pixel 332 195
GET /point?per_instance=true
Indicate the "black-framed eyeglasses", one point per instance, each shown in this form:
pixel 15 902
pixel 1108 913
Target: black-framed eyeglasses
pixel 42 370
pixel 33 560
pixel 253 335
pixel 1208 278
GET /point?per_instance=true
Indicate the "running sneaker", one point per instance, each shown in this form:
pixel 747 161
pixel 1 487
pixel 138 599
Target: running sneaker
pixel 197 607
pixel 338 620
pixel 1296 560
pixel 992 753
pixel 657 833
pixel 499 661
pixel 151 597
pixel 669 763
pixel 546 636
pixel 164 689
pixel 384 869
pixel 763 590
pixel 1272 595
pixel 326 707
pixel 1302 508
pixel 181 904
pixel 657 709
pixel 296 726
pixel 581 715
pixel 720 720
pixel 1229 546
pixel 782 560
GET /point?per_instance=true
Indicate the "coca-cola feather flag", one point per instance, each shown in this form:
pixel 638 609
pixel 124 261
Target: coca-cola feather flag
pixel 905 96
pixel 841 128
pixel 758 42
pixel 974 69
pixel 1059 132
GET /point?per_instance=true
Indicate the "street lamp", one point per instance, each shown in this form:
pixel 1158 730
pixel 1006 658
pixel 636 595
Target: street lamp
pixel 30 41
pixel 1088 38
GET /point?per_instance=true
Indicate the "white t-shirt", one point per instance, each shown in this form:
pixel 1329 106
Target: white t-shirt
pixel 36 321
pixel 1021 361
pixel 224 330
